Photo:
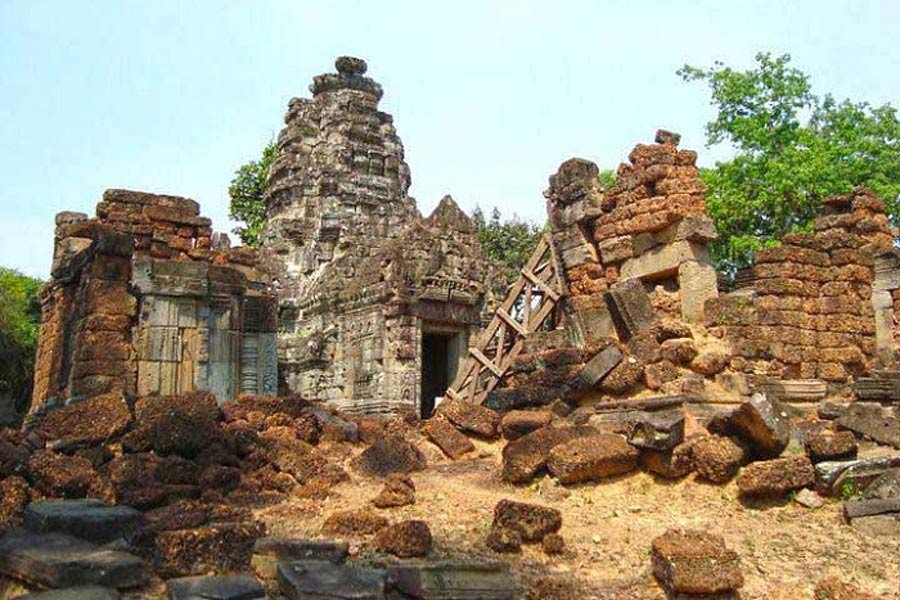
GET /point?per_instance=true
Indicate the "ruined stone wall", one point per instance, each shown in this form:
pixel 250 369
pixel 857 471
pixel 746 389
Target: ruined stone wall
pixel 338 185
pixel 810 311
pixel 144 299
pixel 651 226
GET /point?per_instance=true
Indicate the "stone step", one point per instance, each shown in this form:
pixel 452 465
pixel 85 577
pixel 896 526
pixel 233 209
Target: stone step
pixel 795 390
pixel 87 519
pixel 454 580
pixel 218 587
pixel 56 560
pixel 84 592
pixel 322 580
pixel 269 551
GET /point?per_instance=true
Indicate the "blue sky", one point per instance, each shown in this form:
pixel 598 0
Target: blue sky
pixel 488 97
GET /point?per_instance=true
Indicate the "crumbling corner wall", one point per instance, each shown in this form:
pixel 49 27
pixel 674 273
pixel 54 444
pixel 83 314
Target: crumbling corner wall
pixel 145 299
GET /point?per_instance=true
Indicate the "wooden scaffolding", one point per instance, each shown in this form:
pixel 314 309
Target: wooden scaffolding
pixel 532 304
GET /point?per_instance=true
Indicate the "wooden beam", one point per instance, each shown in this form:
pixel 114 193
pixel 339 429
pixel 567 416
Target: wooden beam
pixel 512 322
pixel 538 282
pixel 484 360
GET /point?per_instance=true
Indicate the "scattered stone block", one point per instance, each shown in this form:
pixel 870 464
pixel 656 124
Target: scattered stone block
pixel 630 308
pixel 55 560
pixel 553 544
pixel 61 476
pixel 471 417
pixel 407 539
pixel 531 521
pixel 885 486
pixel 774 478
pixel 599 366
pixel 624 377
pixel 504 540
pixel 852 477
pixel 321 580
pixel 872 421
pixel 657 375
pixel 446 437
pixel 81 592
pixel 717 459
pixel 14 497
pixel 656 430
pixel 671 464
pixel 809 499
pixel 217 587
pixel 695 562
pixel 679 351
pixel 866 508
pixel 89 422
pixel 452 580
pixel 517 423
pixel 398 490
pixel 831 445
pixel 269 551
pixel 214 548
pixel 389 454
pixel 354 522
pixel 87 519
pixel 763 425
pixel 887 525
pixel 524 458
pixel 591 458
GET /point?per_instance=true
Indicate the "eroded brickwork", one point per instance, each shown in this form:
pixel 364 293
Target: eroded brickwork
pixel 145 299
pixel 810 312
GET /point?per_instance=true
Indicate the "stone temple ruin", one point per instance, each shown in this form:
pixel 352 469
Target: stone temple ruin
pixel 146 300
pixel 196 405
pixel 377 303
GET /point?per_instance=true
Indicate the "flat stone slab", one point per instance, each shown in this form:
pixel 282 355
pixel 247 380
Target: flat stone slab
pixel 454 580
pixel 56 560
pixel 269 551
pixel 86 592
pixel 322 580
pixel 218 587
pixel 87 519
pixel 880 525
pixel 866 508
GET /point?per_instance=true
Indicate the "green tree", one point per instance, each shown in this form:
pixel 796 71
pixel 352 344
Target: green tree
pixel 792 149
pixel 510 241
pixel 607 178
pixel 20 316
pixel 246 194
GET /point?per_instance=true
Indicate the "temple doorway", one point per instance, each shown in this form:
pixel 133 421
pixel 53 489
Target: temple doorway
pixel 440 359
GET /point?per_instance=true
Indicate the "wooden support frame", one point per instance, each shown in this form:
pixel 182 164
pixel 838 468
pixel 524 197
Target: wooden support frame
pixel 532 303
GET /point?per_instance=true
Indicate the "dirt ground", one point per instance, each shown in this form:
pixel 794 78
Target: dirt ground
pixel 785 548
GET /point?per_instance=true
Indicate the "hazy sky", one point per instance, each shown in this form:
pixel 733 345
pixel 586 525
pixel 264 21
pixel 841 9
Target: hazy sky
pixel 488 97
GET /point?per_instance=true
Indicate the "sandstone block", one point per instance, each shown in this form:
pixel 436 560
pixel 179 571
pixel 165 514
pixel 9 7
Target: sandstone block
pixel 471 417
pixel 406 539
pixel 87 519
pixel 525 457
pixel 354 522
pixel 531 521
pixel 831 445
pixel 717 459
pixel 446 437
pixel 695 562
pixel 304 579
pixel 763 425
pixel 517 423
pixel 774 478
pixel 629 307
pixel 389 454
pixel 599 366
pixel 452 579
pixel 590 458
pixel 218 587
pixel 398 490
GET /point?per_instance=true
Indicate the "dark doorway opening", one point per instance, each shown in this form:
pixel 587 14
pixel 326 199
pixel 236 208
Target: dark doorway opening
pixel 436 369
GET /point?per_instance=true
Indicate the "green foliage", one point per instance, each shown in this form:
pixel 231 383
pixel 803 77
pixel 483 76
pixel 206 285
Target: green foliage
pixel 607 178
pixel 246 193
pixel 20 316
pixel 793 148
pixel 510 241
pixel 850 490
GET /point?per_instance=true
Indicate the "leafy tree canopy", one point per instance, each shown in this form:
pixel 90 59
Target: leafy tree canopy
pixel 510 241
pixel 793 148
pixel 20 315
pixel 246 193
